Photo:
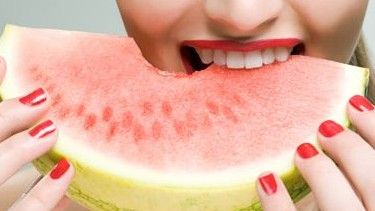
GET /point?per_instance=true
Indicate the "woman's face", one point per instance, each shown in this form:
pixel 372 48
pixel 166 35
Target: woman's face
pixel 241 33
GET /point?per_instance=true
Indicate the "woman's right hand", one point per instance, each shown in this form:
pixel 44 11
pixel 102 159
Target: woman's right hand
pixel 20 144
pixel 341 175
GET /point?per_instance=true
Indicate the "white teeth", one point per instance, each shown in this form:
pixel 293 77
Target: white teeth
pixel 248 60
pixel 281 54
pixel 235 59
pixel 253 59
pixel 219 57
pixel 268 56
pixel 207 56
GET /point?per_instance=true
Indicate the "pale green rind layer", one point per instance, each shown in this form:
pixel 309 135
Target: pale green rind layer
pixel 102 189
pixel 184 199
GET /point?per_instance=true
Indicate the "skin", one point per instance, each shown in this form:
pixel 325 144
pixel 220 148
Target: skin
pixel 18 147
pixel 328 29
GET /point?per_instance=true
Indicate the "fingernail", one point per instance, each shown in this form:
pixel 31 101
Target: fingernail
pixel 60 169
pixel 36 97
pixel 268 183
pixel 361 103
pixel 306 150
pixel 330 128
pixel 43 129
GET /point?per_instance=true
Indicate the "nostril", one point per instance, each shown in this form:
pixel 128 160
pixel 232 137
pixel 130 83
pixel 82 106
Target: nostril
pixel 242 18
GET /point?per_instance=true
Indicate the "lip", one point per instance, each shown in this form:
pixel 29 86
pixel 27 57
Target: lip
pixel 229 45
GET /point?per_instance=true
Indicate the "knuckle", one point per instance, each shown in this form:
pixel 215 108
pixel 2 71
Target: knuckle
pixel 8 120
pixel 4 123
pixel 23 149
pixel 17 145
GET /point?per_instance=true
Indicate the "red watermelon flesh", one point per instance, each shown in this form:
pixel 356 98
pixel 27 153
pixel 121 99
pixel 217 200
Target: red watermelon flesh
pixel 108 100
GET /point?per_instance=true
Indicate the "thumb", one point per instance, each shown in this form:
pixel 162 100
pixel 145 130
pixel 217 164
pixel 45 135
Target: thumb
pixel 63 204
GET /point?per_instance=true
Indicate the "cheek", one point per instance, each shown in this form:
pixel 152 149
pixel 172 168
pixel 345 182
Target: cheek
pixel 325 15
pixel 152 17
pixel 332 26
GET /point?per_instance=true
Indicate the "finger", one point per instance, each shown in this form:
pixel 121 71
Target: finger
pixel 20 113
pixel 62 204
pixel 329 185
pixel 24 147
pixel 362 114
pixel 49 191
pixel 16 185
pixel 273 194
pixel 307 203
pixel 32 185
pixel 353 155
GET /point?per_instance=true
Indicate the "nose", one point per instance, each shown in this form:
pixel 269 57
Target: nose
pixel 242 17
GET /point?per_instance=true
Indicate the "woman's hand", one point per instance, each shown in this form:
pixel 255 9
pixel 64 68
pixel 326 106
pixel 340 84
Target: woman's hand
pixel 20 144
pixel 348 186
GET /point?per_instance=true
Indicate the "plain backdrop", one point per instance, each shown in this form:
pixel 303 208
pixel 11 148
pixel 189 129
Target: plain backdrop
pixel 99 16
pixel 94 16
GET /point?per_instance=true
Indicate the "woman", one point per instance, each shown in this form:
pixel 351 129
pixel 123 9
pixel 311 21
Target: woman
pixel 327 29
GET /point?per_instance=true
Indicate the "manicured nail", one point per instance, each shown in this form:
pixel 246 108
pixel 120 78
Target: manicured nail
pixel 330 128
pixel 60 169
pixel 361 103
pixel 306 150
pixel 43 129
pixel 34 98
pixel 268 183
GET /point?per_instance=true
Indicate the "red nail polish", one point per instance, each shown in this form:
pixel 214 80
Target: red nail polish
pixel 330 128
pixel 61 167
pixel 268 183
pixel 361 103
pixel 34 98
pixel 43 129
pixel 306 150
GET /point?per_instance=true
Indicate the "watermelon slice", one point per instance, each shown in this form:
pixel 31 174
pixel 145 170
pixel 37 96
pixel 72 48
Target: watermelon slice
pixel 144 139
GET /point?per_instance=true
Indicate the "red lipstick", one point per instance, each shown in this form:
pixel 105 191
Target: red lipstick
pixel 228 45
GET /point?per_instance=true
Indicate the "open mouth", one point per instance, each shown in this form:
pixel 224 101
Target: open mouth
pixel 198 55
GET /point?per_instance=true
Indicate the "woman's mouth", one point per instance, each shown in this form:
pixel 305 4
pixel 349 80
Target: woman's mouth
pixel 199 54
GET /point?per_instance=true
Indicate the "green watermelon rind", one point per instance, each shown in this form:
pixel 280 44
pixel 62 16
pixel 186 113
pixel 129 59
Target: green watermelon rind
pixel 293 181
pixel 91 186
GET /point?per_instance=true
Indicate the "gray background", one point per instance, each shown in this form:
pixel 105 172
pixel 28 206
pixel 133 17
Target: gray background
pixel 99 16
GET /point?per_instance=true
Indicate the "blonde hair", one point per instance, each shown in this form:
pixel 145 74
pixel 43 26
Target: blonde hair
pixel 361 58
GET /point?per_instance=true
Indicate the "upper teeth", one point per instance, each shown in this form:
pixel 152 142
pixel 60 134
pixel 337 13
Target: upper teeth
pixel 238 59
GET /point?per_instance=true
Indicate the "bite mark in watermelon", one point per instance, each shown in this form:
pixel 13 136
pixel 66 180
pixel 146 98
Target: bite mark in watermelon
pixel 141 139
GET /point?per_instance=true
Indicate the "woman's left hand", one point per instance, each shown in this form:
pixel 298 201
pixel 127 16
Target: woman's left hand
pixel 349 185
